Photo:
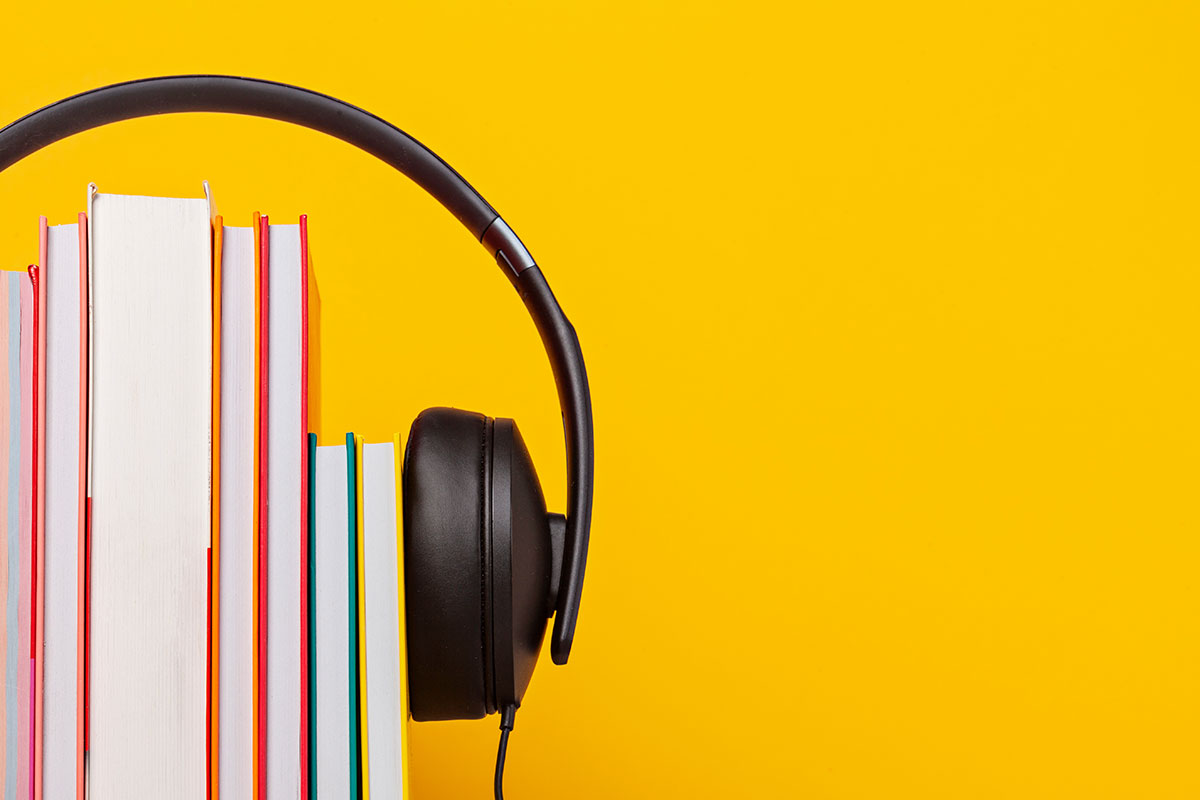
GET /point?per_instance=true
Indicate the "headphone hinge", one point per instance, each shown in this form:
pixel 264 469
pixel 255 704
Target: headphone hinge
pixel 506 248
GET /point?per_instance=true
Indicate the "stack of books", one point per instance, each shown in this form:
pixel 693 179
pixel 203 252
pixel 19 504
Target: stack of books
pixel 198 600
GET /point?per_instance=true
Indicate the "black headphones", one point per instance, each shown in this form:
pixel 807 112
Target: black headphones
pixel 485 564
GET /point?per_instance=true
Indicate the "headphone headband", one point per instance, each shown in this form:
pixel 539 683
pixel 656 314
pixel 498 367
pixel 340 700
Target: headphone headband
pixel 286 103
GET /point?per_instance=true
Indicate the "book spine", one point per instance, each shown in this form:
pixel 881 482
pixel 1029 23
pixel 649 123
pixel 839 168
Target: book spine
pixel 10 574
pixel 306 533
pixel 37 276
pixel 262 256
pixel 309 720
pixel 214 568
pixel 37 540
pixel 401 613
pixel 361 607
pixel 81 554
pixel 352 583
pixel 27 503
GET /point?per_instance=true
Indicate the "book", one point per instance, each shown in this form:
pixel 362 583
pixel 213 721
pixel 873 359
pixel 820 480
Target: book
pixel 26 678
pixel 149 471
pixel 261 432
pixel 354 657
pixel 64 281
pixel 38 511
pixel 335 651
pixel 234 539
pixel 360 613
pixel 284 471
pixel 197 600
pixel 401 632
pixel 16 308
pixel 383 711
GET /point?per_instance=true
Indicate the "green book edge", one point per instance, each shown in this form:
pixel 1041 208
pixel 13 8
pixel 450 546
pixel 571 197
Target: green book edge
pixel 351 542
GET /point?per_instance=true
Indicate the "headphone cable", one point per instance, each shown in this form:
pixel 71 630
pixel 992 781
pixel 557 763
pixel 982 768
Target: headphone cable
pixel 507 716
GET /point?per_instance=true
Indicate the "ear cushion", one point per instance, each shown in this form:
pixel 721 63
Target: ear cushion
pixel 477 564
pixel 447 494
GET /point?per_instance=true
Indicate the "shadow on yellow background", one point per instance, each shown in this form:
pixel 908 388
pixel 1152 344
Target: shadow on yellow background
pixel 890 315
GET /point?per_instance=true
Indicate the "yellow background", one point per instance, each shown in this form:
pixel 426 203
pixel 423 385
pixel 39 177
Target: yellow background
pixel 890 312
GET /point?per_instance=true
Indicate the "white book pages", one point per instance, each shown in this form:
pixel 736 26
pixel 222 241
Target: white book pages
pixel 380 567
pixel 285 477
pixel 334 539
pixel 235 688
pixel 151 407
pixel 64 361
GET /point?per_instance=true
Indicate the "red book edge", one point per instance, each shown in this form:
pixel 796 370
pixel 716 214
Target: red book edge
pixel 304 554
pixel 81 639
pixel 213 731
pixel 35 540
pixel 263 430
pixel 38 540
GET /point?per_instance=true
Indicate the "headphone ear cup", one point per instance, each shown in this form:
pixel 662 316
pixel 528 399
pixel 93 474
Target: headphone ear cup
pixel 446 492
pixel 477 564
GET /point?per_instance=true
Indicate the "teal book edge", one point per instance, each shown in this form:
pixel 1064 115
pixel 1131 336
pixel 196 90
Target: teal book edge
pixel 311 566
pixel 352 529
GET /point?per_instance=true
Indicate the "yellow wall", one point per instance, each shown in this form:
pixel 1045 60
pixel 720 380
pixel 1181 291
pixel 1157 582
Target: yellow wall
pixel 891 318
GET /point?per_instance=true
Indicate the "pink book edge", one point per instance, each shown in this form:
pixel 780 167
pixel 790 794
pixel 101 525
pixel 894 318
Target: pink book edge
pixel 81 593
pixel 39 537
pixel 305 556
pixel 25 682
